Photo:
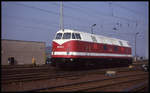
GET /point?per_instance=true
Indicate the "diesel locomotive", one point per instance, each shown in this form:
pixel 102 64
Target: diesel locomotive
pixel 71 48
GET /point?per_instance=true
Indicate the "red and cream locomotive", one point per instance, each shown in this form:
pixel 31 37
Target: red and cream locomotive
pixel 71 47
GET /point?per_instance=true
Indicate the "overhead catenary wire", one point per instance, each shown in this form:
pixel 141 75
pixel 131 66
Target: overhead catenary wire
pixel 69 7
pixel 52 12
pixel 44 23
pixel 41 9
pixel 44 10
pixel 81 27
pixel 76 28
pixel 83 12
pixel 118 17
pixel 58 13
pixel 100 14
pixel 34 20
pixel 55 13
pixel 66 15
pixel 129 9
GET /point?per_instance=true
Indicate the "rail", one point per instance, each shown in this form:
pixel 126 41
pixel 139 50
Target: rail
pixel 135 87
pixel 61 74
pixel 79 83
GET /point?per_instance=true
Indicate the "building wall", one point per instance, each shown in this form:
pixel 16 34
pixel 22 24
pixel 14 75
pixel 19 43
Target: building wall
pixel 22 51
pixel 48 51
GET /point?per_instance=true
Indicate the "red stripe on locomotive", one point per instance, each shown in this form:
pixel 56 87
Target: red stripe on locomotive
pixel 82 46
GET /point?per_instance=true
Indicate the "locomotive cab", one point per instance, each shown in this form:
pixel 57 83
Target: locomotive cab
pixel 63 45
pixel 65 39
pixel 62 35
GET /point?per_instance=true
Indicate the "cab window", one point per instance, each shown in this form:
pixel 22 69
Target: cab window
pixel 66 35
pixel 73 36
pixel 58 36
pixel 77 36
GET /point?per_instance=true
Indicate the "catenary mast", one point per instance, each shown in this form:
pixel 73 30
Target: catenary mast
pixel 61 17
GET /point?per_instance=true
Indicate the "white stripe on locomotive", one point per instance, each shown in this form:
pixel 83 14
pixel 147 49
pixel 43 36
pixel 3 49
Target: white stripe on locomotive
pixel 89 54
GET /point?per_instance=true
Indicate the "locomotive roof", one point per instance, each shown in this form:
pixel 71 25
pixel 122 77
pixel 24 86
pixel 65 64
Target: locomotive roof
pixel 99 38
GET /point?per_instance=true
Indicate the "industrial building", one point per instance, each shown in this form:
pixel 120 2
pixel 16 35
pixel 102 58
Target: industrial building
pixel 22 51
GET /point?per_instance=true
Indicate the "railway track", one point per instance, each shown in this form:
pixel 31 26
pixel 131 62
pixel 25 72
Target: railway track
pixel 141 87
pixel 24 70
pixel 118 86
pixel 19 82
pixel 18 67
pixel 7 79
pixel 21 66
pixel 11 70
pixel 94 85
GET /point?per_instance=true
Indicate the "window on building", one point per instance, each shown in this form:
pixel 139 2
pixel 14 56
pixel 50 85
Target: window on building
pixel 105 47
pixel 73 36
pixel 58 36
pixel 67 36
pixel 77 36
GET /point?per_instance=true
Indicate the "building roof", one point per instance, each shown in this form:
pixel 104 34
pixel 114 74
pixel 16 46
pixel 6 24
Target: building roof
pixel 22 41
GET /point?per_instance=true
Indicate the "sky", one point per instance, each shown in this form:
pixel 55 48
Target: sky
pixel 39 21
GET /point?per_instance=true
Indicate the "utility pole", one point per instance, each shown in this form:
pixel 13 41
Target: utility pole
pixel 92 28
pixel 61 16
pixel 135 44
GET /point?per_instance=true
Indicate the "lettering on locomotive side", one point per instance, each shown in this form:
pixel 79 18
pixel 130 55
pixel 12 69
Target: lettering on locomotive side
pixel 60 46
